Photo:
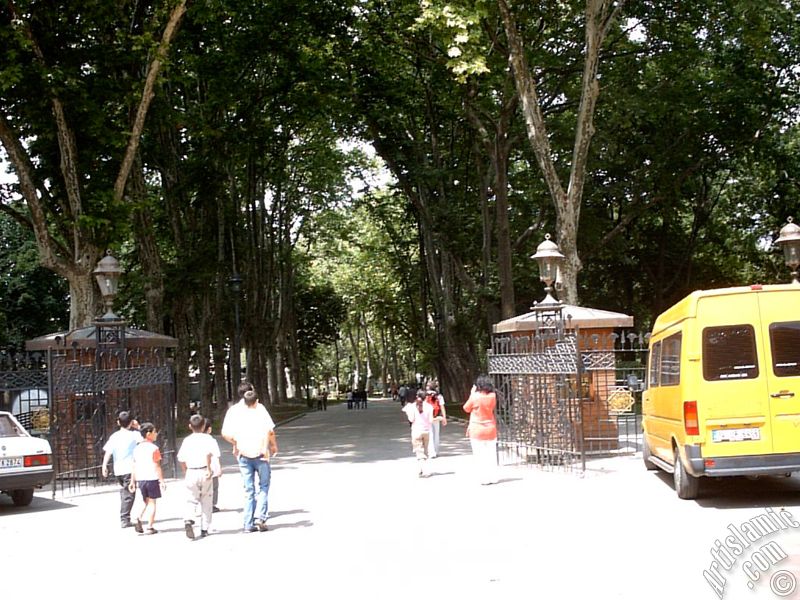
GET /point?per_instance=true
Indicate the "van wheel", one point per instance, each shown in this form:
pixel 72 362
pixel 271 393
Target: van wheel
pixel 646 454
pixel 22 497
pixel 685 484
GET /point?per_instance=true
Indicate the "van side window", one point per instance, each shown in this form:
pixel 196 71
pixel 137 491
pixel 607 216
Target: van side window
pixel 671 360
pixel 655 359
pixel 729 353
pixel 785 341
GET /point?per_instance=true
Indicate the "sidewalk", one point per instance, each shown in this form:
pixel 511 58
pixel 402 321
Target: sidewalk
pixel 349 518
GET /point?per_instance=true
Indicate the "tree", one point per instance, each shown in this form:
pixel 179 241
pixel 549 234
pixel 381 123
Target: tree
pixel 600 15
pixel 61 72
pixel 33 300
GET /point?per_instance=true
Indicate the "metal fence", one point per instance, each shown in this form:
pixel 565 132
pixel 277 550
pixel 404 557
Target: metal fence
pixel 72 397
pixel 565 397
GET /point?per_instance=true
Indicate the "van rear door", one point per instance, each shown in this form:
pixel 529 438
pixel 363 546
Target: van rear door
pixel 733 394
pixel 781 334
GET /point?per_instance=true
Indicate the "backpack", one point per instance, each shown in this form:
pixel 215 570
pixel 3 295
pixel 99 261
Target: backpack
pixel 433 399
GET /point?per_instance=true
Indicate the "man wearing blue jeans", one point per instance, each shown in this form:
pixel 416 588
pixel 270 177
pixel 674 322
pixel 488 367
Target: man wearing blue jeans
pixel 250 429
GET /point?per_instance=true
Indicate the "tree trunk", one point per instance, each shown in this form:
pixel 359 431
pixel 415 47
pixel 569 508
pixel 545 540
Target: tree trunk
pixel 181 370
pixel 84 299
pixel 599 15
pixel 220 387
pixel 274 379
pixel 149 256
pixel 504 266
pixel 384 361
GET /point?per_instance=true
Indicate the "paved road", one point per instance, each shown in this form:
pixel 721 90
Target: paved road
pixel 350 519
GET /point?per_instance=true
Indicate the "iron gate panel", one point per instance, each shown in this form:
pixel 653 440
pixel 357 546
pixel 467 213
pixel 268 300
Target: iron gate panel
pixel 90 388
pixel 565 396
pixel 72 396
pixel 24 388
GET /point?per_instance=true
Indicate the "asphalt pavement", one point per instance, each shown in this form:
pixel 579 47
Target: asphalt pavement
pixel 349 518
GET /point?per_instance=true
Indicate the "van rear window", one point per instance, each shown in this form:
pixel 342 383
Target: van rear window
pixel 729 353
pixel 671 360
pixel 655 361
pixel 785 341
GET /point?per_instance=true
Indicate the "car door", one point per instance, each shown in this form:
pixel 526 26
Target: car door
pixel 780 321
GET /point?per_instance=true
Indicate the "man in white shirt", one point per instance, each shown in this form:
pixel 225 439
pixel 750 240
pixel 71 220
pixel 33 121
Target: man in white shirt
pixel 250 429
pixel 120 446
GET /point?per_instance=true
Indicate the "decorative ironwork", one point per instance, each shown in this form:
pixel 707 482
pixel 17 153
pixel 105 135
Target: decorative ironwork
pixel 565 395
pixel 72 396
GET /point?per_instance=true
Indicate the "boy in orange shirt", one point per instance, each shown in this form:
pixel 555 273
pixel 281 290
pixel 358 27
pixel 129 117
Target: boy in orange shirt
pixel 148 475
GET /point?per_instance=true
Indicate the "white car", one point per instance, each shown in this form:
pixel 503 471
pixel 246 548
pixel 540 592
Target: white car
pixel 26 462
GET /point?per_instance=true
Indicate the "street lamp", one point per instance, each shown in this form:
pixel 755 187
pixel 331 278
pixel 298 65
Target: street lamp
pixel 549 259
pixel 789 239
pixel 235 282
pixel 107 273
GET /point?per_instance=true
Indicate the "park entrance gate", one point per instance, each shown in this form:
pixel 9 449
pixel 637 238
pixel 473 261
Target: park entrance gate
pixel 566 395
pixel 72 395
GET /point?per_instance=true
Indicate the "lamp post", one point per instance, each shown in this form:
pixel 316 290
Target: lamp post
pixel 236 368
pixel 109 329
pixel 789 240
pixel 107 273
pixel 549 258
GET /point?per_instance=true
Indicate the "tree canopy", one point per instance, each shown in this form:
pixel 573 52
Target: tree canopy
pixel 378 172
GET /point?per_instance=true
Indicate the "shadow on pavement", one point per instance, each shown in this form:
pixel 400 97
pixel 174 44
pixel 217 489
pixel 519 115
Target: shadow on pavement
pixel 39 504
pixel 303 523
pixel 741 492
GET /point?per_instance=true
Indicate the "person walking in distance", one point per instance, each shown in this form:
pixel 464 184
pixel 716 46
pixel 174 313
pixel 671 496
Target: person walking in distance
pixel 482 429
pixel 148 476
pixel 250 429
pixel 420 415
pixel 436 400
pixel 120 446
pixel 195 456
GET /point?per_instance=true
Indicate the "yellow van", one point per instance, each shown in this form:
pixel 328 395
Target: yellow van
pixel 723 386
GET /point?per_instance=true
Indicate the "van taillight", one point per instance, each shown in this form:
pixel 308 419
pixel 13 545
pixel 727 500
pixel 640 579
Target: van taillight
pixel 690 422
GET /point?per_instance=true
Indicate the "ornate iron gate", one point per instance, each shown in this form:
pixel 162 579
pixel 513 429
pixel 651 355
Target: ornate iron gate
pixel 83 390
pixel 90 388
pixel 565 395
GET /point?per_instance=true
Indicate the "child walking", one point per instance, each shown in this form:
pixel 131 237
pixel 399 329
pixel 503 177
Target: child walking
pixel 420 415
pixel 216 469
pixel 195 456
pixel 148 476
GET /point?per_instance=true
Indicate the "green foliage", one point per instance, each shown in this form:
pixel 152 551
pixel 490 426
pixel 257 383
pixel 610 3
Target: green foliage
pixel 33 301
pixel 460 25
pixel 319 313
pixel 691 174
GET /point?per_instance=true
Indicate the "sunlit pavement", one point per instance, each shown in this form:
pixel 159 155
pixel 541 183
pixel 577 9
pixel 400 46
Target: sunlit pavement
pixel 349 518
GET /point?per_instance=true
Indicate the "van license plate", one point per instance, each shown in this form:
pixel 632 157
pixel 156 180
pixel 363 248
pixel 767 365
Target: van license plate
pixel 10 463
pixel 736 435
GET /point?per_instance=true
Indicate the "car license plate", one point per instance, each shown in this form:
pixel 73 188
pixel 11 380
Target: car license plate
pixel 745 434
pixel 10 463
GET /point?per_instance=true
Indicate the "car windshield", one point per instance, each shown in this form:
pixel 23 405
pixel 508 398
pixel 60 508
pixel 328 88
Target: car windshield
pixel 8 428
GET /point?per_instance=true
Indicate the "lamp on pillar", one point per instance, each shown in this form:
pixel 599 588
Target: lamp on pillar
pixel 789 240
pixel 107 274
pixel 236 368
pixel 549 258
pixel 109 329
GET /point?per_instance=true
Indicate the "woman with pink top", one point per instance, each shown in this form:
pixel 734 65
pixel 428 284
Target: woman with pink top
pixel 482 429
pixel 420 415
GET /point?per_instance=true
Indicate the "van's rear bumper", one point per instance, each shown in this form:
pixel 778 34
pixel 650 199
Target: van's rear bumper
pixel 730 466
